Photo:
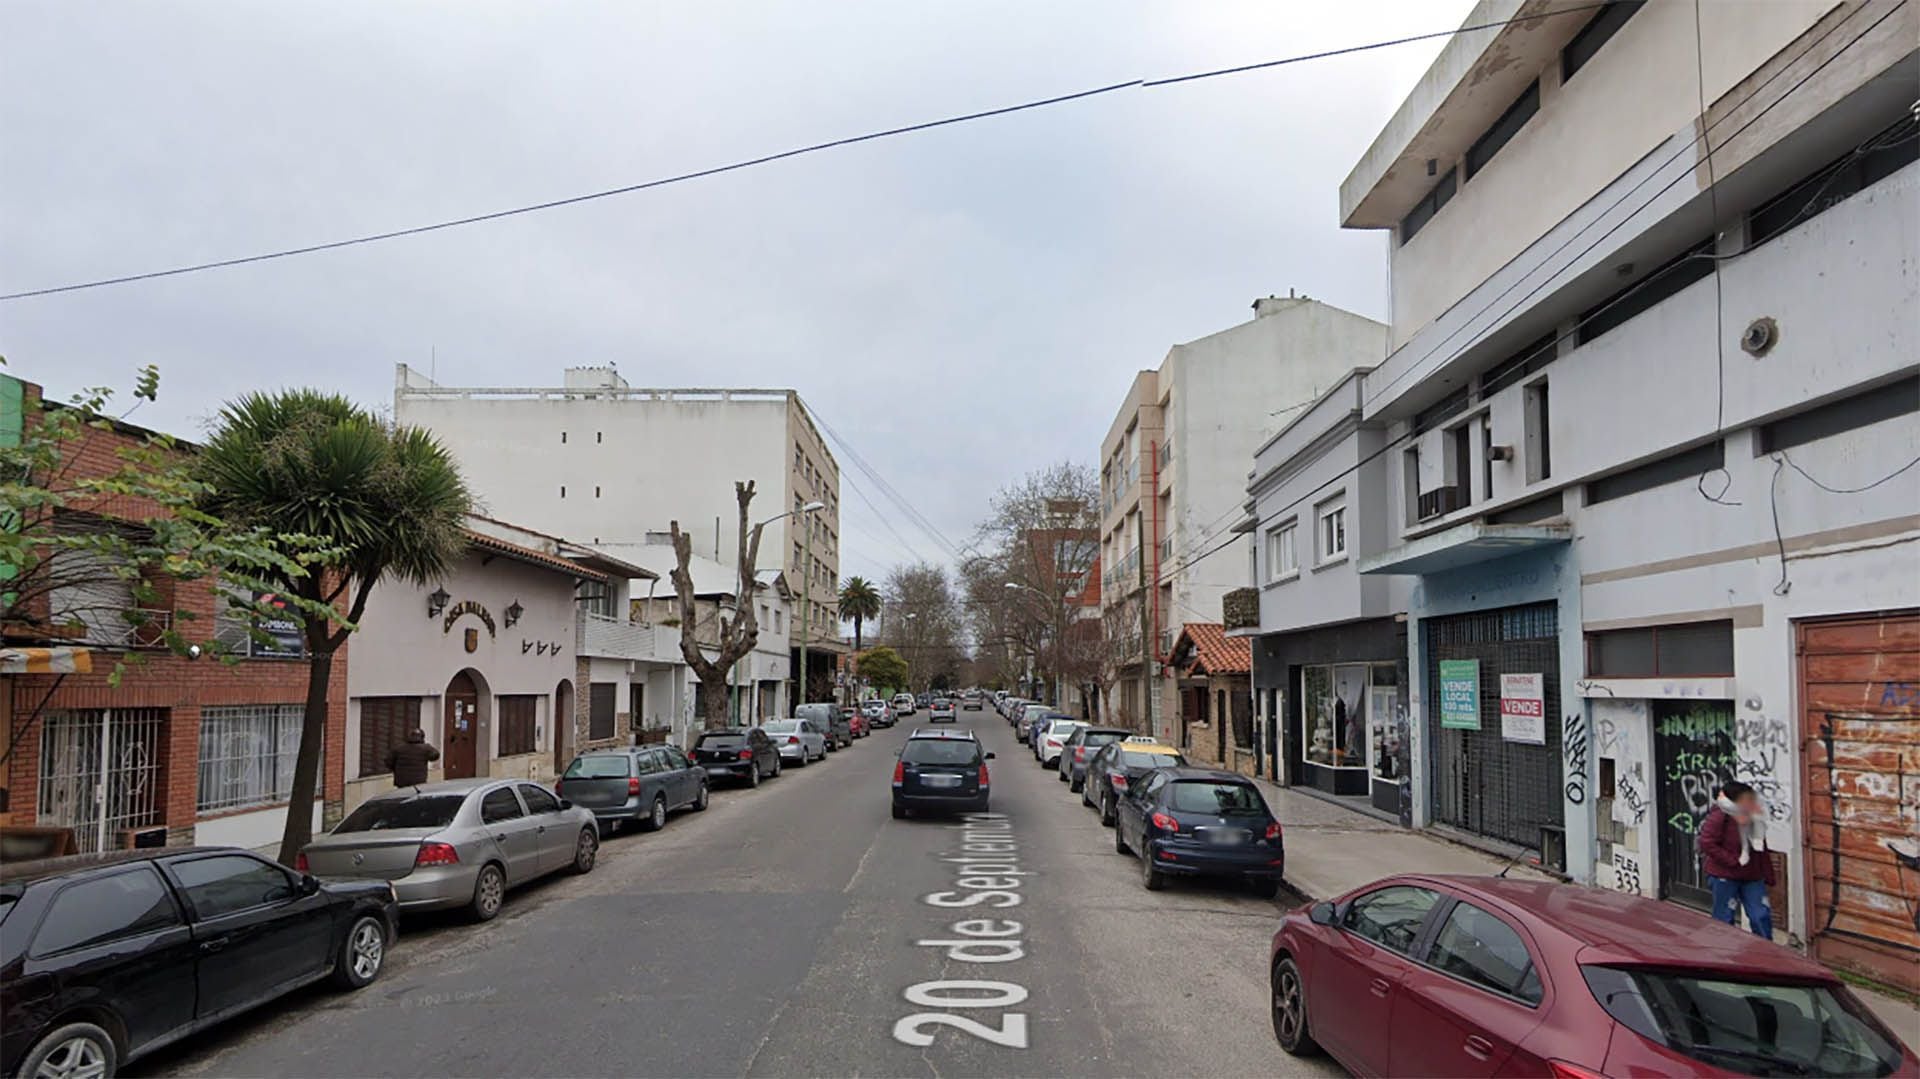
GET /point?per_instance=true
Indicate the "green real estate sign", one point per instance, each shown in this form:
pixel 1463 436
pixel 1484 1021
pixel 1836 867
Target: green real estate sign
pixel 1460 694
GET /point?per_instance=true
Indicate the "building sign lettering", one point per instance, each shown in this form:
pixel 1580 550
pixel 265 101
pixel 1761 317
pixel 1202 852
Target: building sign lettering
pixel 1523 708
pixel 467 606
pixel 1460 694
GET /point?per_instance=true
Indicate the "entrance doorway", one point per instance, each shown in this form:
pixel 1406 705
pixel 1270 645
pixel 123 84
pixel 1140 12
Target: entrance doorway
pixel 563 732
pixel 461 726
pixel 1693 758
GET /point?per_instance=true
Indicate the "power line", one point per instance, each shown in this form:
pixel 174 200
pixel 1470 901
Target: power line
pixel 886 489
pixel 763 159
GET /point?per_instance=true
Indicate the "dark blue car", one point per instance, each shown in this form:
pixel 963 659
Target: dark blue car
pixel 1196 822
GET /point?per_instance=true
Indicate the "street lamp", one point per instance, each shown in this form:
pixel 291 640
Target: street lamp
pixel 806 593
pixel 733 671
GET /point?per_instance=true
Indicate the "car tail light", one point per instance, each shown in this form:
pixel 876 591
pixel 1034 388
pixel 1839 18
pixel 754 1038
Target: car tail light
pixel 437 854
pixel 793 739
pixel 1080 754
pixel 1273 830
pixel 1119 782
pixel 899 772
pixel 746 754
pixel 300 862
pixel 557 784
pixel 1165 823
pixel 1560 1069
pixel 983 776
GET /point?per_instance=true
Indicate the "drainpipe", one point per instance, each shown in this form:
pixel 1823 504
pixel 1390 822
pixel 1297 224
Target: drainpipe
pixel 1153 640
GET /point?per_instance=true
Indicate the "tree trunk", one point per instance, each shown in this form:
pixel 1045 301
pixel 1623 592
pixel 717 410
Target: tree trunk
pixel 306 767
pixel 715 714
pixel 856 634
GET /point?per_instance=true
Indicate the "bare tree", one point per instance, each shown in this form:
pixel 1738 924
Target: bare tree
pixel 1042 535
pixel 738 635
pixel 922 620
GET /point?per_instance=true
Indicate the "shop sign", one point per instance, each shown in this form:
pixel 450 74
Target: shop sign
pixel 1523 708
pixel 467 606
pixel 282 629
pixel 1460 694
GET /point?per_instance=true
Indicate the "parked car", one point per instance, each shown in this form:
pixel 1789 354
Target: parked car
pixel 1079 748
pixel 109 956
pixel 971 700
pixel 857 724
pixel 1487 976
pixel 797 740
pixel 877 713
pixel 941 771
pixel 1199 822
pixel 1035 721
pixel 461 843
pixel 1054 739
pixel 628 784
pixel 903 704
pixel 741 753
pixel 940 710
pixel 1116 766
pixel 1025 714
pixel 829 721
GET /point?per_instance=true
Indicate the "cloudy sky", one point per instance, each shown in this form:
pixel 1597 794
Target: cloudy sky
pixel 961 305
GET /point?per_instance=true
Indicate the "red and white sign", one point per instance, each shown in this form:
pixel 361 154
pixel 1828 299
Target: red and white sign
pixel 1523 708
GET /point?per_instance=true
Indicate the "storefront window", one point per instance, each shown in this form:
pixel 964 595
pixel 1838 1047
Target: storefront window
pixel 1387 717
pixel 1333 715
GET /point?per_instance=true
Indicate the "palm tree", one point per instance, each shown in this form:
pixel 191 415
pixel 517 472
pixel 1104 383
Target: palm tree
pixel 381 500
pixel 859 601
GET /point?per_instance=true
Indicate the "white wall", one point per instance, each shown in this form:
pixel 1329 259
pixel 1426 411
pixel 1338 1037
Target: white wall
pixel 253 830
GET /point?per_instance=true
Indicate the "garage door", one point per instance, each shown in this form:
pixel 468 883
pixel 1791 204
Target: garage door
pixel 1860 701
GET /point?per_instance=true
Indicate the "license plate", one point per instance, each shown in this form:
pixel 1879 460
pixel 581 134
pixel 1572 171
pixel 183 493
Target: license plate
pixel 1226 837
pixel 941 781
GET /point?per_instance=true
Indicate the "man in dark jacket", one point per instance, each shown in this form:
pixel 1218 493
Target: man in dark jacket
pixel 1734 855
pixel 408 761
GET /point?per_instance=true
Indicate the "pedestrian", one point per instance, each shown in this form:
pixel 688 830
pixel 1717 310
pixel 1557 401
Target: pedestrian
pixel 408 761
pixel 1733 852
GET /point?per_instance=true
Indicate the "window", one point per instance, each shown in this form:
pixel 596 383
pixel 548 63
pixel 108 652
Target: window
pixel 1680 650
pixel 1333 531
pixel 1834 183
pixel 1441 411
pixel 1532 356
pixel 228 883
pixel 384 723
pixel 1390 917
pixel 601 766
pixel 563 438
pixel 1504 129
pixel 596 490
pixel 515 722
pixel 598 436
pixel 1692 265
pixel 950 751
pixel 1429 204
pixel 538 799
pixel 1478 947
pixel 1334 705
pixel 420 811
pixel 1283 559
pixel 1685 465
pixel 596 597
pixel 247 754
pixel 499 804
pixel 563 490
pixel 1216 799
pixel 1847 414
pixel 1537 420
pixel 600 702
pixel 1456 475
pixel 649 763
pixel 1605 23
pixel 106 909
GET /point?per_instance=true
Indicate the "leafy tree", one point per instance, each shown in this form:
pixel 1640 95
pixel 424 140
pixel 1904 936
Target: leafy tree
pixel 78 539
pixel 387 500
pixel 859 603
pixel 739 634
pixel 883 668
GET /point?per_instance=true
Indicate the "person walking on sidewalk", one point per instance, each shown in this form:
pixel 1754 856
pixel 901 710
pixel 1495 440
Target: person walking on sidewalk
pixel 1733 853
pixel 408 760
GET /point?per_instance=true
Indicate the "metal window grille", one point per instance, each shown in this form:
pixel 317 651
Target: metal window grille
pixel 247 754
pixel 1483 783
pixel 101 772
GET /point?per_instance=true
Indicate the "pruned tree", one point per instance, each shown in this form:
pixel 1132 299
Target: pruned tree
pixel 738 634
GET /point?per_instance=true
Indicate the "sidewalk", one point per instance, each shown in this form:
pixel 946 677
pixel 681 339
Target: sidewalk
pixel 1332 850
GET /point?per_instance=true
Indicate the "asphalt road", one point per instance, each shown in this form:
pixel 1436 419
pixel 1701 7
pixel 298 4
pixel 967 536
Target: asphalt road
pixel 779 934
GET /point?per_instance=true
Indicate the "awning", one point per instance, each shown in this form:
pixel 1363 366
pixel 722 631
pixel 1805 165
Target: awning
pixel 1463 545
pixel 46 661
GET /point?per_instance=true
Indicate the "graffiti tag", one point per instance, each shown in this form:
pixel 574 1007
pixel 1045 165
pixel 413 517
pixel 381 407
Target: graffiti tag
pixel 1573 743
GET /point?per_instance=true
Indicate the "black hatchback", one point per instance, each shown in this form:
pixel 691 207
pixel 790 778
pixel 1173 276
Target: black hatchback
pixel 106 957
pixel 1196 822
pixel 742 753
pixel 941 771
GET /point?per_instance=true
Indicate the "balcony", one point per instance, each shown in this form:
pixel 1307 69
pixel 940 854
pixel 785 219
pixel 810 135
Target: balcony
pixel 617 638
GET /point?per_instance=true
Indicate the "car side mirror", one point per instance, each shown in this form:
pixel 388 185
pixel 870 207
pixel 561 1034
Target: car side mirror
pixel 564 804
pixel 989 756
pixel 1320 913
pixel 309 884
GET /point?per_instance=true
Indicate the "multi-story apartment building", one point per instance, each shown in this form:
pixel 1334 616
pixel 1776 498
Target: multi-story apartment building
pixel 1166 503
pixel 610 465
pixel 1649 426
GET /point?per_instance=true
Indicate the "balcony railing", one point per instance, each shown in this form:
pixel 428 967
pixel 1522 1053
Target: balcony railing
pixel 617 638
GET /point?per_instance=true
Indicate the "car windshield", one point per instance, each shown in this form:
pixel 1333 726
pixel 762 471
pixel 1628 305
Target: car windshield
pixel 1752 1027
pixel 1099 738
pixel 600 766
pixel 383 814
pixel 1131 759
pixel 941 751
pixel 781 726
pixel 1218 798
pixel 721 741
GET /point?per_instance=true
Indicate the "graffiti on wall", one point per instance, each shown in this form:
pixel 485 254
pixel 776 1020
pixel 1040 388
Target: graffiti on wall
pixel 1573 747
pixel 1630 793
pixel 1764 759
pixel 1626 872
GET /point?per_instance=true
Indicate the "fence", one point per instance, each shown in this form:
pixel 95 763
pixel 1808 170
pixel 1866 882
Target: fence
pixel 100 773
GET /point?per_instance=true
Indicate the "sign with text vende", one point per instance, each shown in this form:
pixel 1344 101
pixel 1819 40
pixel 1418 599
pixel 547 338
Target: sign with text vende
pixel 1523 708
pixel 1460 694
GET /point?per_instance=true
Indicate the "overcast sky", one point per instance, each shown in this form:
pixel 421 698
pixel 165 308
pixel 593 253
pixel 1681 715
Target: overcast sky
pixel 961 305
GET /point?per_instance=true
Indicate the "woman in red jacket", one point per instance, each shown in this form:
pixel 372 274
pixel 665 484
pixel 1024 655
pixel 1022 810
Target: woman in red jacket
pixel 1733 852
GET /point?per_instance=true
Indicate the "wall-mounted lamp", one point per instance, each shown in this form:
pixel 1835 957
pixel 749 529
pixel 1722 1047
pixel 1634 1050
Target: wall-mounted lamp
pixel 437 602
pixel 514 612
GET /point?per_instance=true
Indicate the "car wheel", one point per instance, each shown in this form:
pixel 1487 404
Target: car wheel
pixel 1290 1010
pixel 700 800
pixel 1107 812
pixel 899 812
pixel 361 956
pixel 1120 841
pixel 1077 784
pixel 75 1049
pixel 753 774
pixel 586 851
pixel 657 815
pixel 1150 874
pixel 489 891
pixel 1265 889
pixel 776 766
pixel 1062 776
pixel 802 762
pixel 1086 793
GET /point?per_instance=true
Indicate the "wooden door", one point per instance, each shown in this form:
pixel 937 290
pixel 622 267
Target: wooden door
pixel 461 726
pixel 563 729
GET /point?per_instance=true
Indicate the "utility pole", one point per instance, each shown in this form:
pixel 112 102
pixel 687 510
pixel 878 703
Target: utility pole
pixel 806 599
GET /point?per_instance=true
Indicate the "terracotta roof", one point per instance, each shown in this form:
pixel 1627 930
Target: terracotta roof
pixel 1214 651
pixel 531 556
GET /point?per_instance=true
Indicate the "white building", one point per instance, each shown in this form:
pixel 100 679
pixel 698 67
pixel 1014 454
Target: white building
pixel 1647 410
pixel 1168 504
pixel 611 465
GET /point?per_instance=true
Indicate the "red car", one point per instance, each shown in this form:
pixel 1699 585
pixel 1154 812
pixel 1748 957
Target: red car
pixel 1456 976
pixel 858 725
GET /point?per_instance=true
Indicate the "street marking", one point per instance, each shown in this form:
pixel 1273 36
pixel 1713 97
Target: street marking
pixel 986 873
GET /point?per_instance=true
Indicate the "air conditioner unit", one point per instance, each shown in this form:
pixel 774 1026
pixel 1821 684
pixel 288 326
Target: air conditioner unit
pixel 143 838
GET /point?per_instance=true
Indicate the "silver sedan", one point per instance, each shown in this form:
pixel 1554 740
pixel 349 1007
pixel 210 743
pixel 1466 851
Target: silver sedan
pixel 461 843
